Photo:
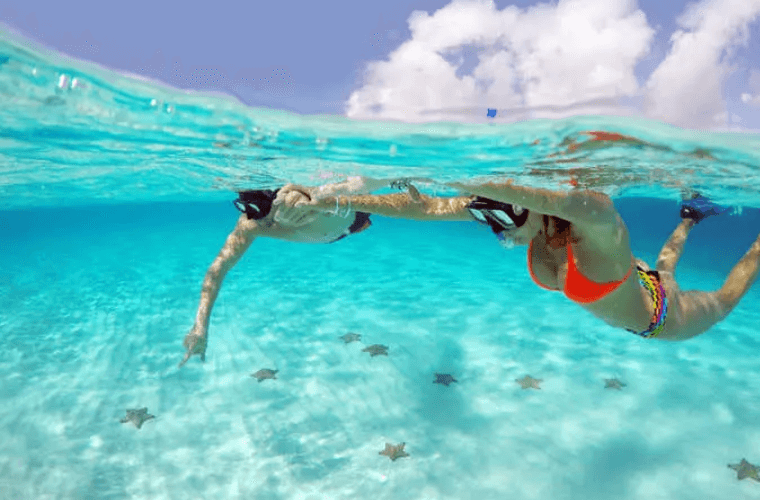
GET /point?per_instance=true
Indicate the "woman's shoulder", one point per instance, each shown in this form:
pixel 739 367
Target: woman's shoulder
pixel 607 235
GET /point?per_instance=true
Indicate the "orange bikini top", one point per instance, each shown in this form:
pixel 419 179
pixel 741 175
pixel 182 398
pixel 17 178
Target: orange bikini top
pixel 578 288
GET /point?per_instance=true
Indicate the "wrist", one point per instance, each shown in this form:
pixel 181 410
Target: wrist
pixel 326 203
pixel 342 206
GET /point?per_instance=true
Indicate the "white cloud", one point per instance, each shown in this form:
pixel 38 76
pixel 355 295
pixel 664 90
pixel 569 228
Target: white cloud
pixel 687 87
pixel 576 56
pixel 546 56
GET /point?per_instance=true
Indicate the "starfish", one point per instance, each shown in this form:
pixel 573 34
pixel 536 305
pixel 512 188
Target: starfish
pixel 376 350
pixel 394 452
pixel 444 378
pixel 613 383
pixel 350 337
pixel 137 416
pixel 264 374
pixel 745 469
pixel 528 382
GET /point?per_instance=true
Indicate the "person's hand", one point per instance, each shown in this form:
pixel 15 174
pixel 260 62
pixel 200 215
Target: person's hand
pixel 290 194
pixel 293 209
pixel 195 343
pixel 413 193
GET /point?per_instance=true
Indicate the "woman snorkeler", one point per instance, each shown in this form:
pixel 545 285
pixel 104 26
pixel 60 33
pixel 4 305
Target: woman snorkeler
pixel 578 244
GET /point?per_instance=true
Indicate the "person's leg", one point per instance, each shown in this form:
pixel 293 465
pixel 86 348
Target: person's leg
pixel 671 251
pixel 695 312
pixel 694 208
pixel 741 277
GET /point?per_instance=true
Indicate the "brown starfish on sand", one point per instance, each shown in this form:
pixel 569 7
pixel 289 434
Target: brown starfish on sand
pixel 350 337
pixel 444 378
pixel 137 416
pixel 264 374
pixel 394 452
pixel 613 383
pixel 745 470
pixel 376 350
pixel 528 382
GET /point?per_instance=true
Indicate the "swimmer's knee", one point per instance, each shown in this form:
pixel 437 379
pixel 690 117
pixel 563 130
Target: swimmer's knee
pixel 665 264
pixel 725 301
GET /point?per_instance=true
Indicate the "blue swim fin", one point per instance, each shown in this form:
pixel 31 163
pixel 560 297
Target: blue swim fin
pixel 700 207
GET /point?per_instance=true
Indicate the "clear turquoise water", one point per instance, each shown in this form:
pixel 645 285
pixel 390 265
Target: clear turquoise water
pixel 111 209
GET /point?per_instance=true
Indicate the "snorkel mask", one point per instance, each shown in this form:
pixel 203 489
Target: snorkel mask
pixel 502 218
pixel 256 204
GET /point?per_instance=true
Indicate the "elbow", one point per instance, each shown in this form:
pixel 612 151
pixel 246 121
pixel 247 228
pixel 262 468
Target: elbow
pixel 590 199
pixel 591 207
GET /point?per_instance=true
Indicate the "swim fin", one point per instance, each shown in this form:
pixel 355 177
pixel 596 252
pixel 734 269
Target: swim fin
pixel 699 207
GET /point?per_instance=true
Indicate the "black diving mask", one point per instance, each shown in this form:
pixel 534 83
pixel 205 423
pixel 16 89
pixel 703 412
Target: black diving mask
pixel 500 217
pixel 256 204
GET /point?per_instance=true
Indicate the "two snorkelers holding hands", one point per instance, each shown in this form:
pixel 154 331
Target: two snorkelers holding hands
pixel 576 241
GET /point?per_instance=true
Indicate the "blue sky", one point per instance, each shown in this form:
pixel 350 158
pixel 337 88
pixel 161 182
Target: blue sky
pixel 315 57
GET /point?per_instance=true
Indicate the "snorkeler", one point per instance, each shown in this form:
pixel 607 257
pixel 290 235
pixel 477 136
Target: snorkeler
pixel 579 244
pixel 273 214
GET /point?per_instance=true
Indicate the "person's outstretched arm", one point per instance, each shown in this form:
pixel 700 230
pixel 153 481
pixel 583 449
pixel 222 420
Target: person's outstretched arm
pixel 358 185
pixel 411 205
pixel 578 206
pixel 237 243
